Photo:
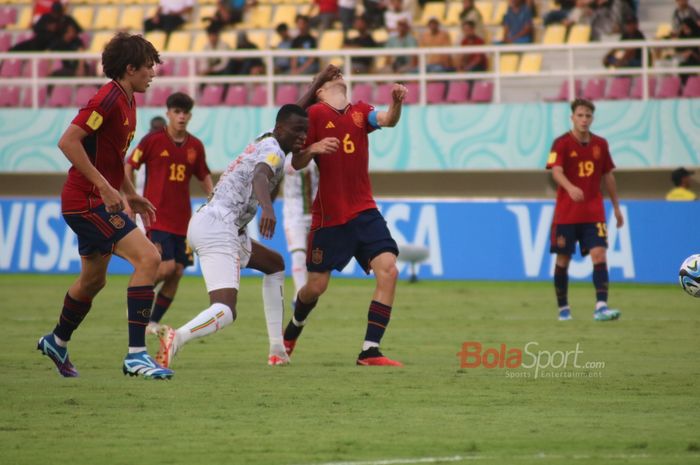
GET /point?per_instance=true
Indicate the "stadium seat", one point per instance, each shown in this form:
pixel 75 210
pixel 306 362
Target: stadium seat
pixel 11 68
pixel 412 93
pixel 157 96
pixel 182 67
pixel 27 97
pixel 331 40
pixel 619 88
pixel 435 92
pixel 84 94
pixel 498 14
pixel 563 95
pixel 637 90
pixel 132 18
pixel 23 21
pixel 431 9
pixel 530 63
pixel 595 89
pixel 257 17
pixel 509 63
pixel 44 67
pixel 579 34
pixel 8 15
pixel 199 22
pixel 286 93
pixel 166 68
pixel 259 96
pixel 84 15
pixel 5 41
pixel 383 94
pixel 554 34
pixel 669 87
pixel 259 38
pixel 157 38
pixel 9 96
pixel 212 95
pixel 237 95
pixel 482 92
pixel 452 14
pixel 99 41
pixel 199 41
pixel 61 96
pixel 106 18
pixel 486 10
pixel 362 91
pixel 457 92
pixel 179 41
pixel 692 87
pixel 284 13
pixel 140 99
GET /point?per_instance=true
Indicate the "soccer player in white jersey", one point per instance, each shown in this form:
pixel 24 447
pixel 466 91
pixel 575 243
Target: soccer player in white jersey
pixel 217 234
pixel 299 191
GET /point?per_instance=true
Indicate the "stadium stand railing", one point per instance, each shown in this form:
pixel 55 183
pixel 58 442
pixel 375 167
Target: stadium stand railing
pixel 568 62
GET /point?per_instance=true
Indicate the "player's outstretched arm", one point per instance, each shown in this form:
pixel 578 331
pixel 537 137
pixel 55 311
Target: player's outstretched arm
pixel 309 97
pixel 302 159
pixel 261 188
pixel 611 187
pixel 72 147
pixel 389 118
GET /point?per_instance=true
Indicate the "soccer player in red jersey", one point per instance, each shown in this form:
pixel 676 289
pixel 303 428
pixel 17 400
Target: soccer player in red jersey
pixel 345 220
pixel 579 160
pixel 96 143
pixel 171 157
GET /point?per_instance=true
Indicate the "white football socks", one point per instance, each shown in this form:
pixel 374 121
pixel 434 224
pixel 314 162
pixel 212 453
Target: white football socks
pixel 273 304
pixel 298 269
pixel 207 322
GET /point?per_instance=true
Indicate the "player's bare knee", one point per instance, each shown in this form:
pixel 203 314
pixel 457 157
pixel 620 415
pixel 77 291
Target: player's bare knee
pixel 92 284
pixel 387 274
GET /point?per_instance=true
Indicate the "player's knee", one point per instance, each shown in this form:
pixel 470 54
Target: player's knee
pixel 91 285
pixel 149 261
pixel 388 273
pixel 315 288
pixel 179 271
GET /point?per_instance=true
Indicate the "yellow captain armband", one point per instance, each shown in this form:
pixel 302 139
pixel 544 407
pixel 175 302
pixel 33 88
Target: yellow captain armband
pixel 95 121
pixel 552 158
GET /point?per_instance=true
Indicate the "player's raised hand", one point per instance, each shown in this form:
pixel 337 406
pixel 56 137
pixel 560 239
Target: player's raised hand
pixel 142 206
pixel 325 145
pixel 112 199
pixel 398 93
pixel 267 223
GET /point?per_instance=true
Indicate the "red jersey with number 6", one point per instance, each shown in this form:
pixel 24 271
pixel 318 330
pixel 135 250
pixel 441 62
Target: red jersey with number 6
pixel 344 189
pixel 584 166
pixel 110 122
pixel 169 168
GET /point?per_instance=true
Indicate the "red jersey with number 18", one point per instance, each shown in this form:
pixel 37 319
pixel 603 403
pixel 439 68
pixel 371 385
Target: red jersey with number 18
pixel 584 166
pixel 169 167
pixel 344 189
pixel 110 121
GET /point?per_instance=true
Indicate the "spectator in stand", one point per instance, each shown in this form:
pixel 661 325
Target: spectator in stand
pixel 471 13
pixel 688 56
pixel 70 41
pixel 628 57
pixel 346 13
pixel 404 39
pixel 364 39
pixel 214 66
pixel 283 64
pixel 250 66
pixel 582 13
pixel 304 40
pixel 683 11
pixel 41 7
pixel 434 36
pixel 47 29
pixel 228 12
pixel 517 23
pixel 560 14
pixel 326 14
pixel 395 13
pixel 374 13
pixel 681 179
pixel 472 62
pixel 170 15
pixel 608 16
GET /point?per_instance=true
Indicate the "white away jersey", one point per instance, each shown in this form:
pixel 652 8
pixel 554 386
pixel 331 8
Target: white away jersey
pixel 233 195
pixel 299 189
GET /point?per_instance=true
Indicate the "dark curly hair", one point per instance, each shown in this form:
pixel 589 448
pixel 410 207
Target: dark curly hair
pixel 126 49
pixel 582 102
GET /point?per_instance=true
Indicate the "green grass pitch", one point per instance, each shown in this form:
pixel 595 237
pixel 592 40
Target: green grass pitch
pixel 226 406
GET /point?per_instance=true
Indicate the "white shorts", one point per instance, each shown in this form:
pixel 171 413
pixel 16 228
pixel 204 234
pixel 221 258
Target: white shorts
pixel 296 229
pixel 221 250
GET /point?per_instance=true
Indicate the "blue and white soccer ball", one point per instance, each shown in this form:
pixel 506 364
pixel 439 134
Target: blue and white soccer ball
pixel 689 275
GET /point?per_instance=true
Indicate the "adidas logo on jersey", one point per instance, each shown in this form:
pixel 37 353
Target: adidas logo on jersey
pixel 330 125
pixel 164 153
pixel 126 122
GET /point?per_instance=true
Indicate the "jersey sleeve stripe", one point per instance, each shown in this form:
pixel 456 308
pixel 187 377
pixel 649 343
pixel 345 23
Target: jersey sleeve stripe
pixel 108 102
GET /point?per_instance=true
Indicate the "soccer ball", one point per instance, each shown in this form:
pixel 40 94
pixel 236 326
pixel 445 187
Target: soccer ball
pixel 689 275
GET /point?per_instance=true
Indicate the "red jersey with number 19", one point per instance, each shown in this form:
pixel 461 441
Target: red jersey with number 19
pixel 344 189
pixel 110 121
pixel 169 167
pixel 584 166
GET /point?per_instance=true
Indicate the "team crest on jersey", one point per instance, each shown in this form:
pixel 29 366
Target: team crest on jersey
pixel 561 242
pixel 117 221
pixel 358 118
pixel 330 125
pixel 164 153
pixel 316 256
pixel 573 154
pixel 596 152
pixel 191 156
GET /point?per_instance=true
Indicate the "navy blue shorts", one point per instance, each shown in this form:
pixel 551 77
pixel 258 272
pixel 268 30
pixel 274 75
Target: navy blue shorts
pixel 588 235
pixel 171 246
pixel 99 231
pixel 363 237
